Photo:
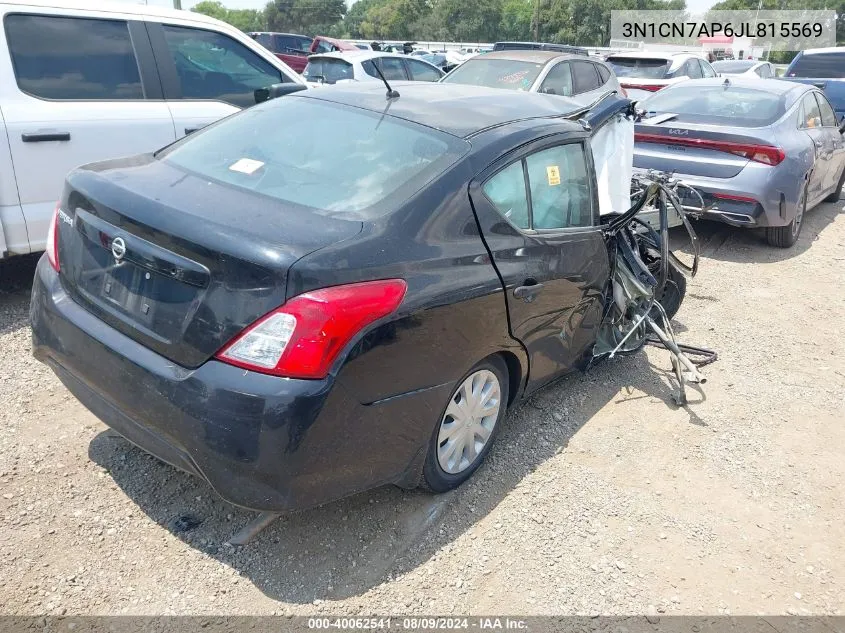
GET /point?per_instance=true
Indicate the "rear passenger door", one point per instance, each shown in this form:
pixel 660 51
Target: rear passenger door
pixel 538 212
pixel 206 74
pixel 420 71
pixel 810 120
pixel 79 90
pixel 834 141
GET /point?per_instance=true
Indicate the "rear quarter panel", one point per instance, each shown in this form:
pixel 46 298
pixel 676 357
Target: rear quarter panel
pixel 454 312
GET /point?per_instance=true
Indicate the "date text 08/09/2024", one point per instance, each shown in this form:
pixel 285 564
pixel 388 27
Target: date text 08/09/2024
pixel 417 623
pixel 712 29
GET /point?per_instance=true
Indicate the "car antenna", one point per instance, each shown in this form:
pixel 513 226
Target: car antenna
pixel 391 93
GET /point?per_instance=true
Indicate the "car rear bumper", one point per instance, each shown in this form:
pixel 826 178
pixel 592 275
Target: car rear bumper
pixel 262 442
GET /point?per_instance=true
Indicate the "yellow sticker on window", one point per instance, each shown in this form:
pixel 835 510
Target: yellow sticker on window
pixel 553 175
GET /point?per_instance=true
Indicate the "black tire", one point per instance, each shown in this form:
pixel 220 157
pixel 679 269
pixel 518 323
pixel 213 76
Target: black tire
pixel 435 478
pixel 673 294
pixel 837 195
pixel 786 236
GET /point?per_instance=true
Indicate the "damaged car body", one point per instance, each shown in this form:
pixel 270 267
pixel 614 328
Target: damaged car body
pixel 295 332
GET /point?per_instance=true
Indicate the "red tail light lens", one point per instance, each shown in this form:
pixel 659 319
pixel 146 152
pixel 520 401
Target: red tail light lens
pixel 766 154
pixel 647 87
pixel 53 241
pixel 303 338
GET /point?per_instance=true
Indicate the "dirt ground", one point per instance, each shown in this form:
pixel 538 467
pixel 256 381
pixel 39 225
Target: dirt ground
pixel 600 497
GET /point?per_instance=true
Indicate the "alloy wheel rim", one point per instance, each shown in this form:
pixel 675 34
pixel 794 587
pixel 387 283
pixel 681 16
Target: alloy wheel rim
pixel 469 420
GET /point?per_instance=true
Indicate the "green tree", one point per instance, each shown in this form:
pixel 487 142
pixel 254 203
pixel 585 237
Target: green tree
pixel 243 19
pixel 470 20
pixel 356 15
pixel 515 24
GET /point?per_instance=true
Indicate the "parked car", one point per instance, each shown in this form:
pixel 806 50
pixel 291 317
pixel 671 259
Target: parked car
pixel 823 68
pixel 295 49
pixel 762 152
pixel 564 74
pixel 539 46
pixel 83 84
pixel 744 68
pixel 641 73
pixel 361 66
pixel 362 305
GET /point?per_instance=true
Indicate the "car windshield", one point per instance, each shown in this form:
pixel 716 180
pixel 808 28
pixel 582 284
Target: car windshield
pixel 819 65
pixel 338 160
pixel 732 66
pixel 645 68
pixel 327 70
pixel 735 107
pixel 496 73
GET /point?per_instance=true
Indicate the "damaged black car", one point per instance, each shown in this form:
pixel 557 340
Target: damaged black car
pixel 340 289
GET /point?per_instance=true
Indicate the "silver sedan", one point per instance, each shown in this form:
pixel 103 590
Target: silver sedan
pixel 761 152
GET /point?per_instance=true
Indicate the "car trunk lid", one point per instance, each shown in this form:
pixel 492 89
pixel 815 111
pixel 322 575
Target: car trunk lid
pixel 177 262
pixel 697 150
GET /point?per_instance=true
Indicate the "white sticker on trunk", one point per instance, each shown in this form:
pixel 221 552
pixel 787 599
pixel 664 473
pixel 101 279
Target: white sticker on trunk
pixel 246 166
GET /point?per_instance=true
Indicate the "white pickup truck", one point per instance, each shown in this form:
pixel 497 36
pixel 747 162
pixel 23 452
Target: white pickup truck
pixel 79 85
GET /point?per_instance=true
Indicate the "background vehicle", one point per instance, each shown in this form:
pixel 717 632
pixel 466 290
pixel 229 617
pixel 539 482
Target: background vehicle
pixel 361 66
pixel 295 49
pixel 641 73
pixel 539 46
pixel 81 84
pixel 744 68
pixel 344 314
pixel 760 151
pixel 446 60
pixel 823 68
pixel 538 71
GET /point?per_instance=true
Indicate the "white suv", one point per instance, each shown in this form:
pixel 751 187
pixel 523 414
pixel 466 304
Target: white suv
pixel 641 73
pixel 79 85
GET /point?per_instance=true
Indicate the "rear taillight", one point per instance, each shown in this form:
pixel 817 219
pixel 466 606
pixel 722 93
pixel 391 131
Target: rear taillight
pixel 766 154
pixel 303 338
pixel 647 87
pixel 734 198
pixel 53 241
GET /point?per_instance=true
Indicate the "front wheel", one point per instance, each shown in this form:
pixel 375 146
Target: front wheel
pixel 786 236
pixel 468 426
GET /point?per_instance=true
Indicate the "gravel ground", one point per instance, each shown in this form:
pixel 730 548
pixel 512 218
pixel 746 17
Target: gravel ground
pixel 600 497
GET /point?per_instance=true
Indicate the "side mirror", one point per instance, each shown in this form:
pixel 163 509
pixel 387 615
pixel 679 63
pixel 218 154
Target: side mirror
pixel 276 90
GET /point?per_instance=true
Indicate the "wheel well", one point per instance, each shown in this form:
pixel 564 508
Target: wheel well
pixel 514 375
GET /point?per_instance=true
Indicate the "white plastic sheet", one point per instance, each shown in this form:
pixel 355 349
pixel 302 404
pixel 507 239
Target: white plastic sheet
pixel 613 154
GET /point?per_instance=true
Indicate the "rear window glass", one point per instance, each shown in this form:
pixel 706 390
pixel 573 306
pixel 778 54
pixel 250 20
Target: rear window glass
pixel 328 70
pixel 732 66
pixel 819 65
pixel 496 73
pixel 742 107
pixel 639 67
pixel 337 160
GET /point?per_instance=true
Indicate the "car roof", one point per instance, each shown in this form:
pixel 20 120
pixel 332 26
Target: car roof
pixel 114 6
pixel 278 33
pixel 829 49
pixel 457 109
pixel 655 55
pixel 773 86
pixel 536 56
pixel 358 55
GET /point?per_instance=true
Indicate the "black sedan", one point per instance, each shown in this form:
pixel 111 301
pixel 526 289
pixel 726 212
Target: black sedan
pixel 330 291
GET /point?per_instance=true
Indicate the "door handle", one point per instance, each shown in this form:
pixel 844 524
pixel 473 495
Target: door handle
pixel 41 137
pixel 527 293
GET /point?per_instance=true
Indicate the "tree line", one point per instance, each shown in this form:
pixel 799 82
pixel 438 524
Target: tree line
pixel 581 22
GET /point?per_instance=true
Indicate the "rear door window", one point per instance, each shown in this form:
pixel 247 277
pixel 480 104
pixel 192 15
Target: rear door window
pixel 420 71
pixel 584 77
pixel 559 186
pixel 266 40
pixel 392 67
pixel 604 73
pixel 811 116
pixel 827 114
pixel 692 69
pixel 73 58
pixel 819 65
pixel 291 44
pixel 214 66
pixel 328 70
pixel 706 69
pixel 559 80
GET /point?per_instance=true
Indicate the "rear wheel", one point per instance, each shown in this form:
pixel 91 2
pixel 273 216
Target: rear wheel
pixel 468 426
pixel 836 195
pixel 786 236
